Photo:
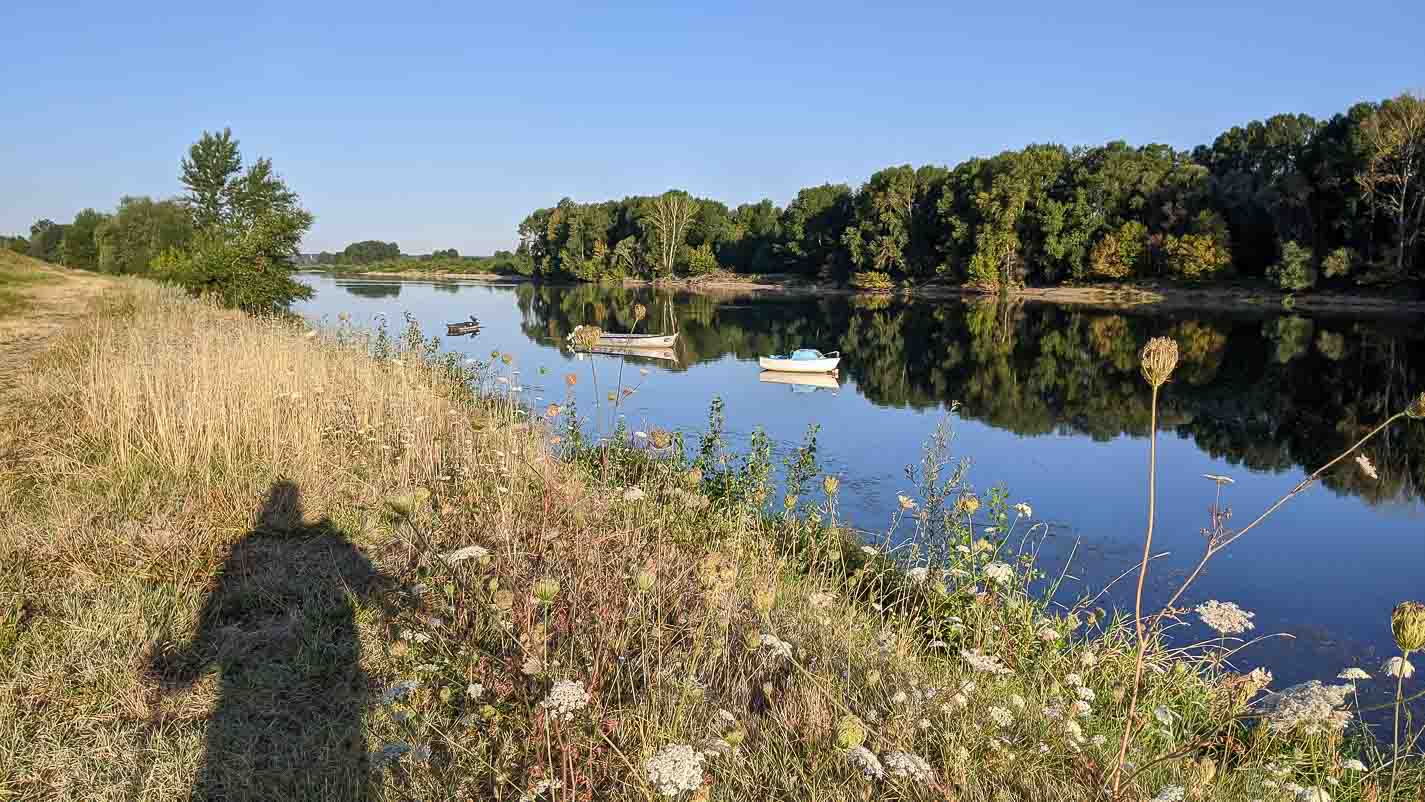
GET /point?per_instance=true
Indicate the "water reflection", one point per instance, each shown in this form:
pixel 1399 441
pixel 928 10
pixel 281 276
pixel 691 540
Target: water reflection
pixel 1266 393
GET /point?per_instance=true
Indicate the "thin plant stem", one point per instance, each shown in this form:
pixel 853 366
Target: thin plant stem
pixel 1138 595
pixel 1395 727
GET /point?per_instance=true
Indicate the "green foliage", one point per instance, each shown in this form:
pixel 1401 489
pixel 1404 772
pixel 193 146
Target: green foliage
pixel 701 261
pixel 1338 263
pixel 80 247
pixel 15 244
pixel 46 236
pixel 1120 254
pixel 871 280
pixel 369 251
pixel 1293 272
pixel 1202 253
pixel 249 226
pixel 138 231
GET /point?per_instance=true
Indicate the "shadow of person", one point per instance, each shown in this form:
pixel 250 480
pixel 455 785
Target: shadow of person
pixel 278 627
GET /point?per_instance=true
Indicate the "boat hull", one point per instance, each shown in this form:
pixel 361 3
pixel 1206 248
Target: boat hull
pixel 798 365
pixel 638 340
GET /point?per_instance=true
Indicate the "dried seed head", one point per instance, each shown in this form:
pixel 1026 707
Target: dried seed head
pixel 660 438
pixel 1159 358
pixel 830 484
pixel 850 733
pixel 546 589
pixel 1416 409
pixel 1407 623
pixel 639 312
pixel 586 337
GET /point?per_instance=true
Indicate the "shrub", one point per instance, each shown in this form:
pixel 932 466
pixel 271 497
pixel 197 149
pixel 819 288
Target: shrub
pixel 871 280
pixel 1120 253
pixel 1338 263
pixel 701 261
pixel 1293 272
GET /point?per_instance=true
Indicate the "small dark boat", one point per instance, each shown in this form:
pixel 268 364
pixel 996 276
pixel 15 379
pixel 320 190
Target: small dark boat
pixel 462 328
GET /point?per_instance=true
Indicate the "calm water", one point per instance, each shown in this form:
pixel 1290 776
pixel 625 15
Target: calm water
pixel 1052 408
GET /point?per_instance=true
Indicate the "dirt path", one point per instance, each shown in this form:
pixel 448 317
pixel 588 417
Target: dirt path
pixel 59 301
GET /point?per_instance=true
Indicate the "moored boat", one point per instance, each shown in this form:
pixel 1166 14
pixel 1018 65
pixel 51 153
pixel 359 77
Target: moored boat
pixel 608 340
pixel 802 360
pixel 824 381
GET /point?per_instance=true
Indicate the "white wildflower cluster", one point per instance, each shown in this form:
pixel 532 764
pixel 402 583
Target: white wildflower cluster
pixel 776 647
pixel 986 663
pixel 1001 717
pixel 1312 794
pixel 908 767
pixel 866 761
pixel 1048 634
pixel 1353 765
pixel 918 574
pixel 566 698
pixel 1024 510
pixel 1170 793
pixel 1311 706
pixel 1225 617
pixel 675 769
pixel 999 572
pixel 1353 673
pixel 539 788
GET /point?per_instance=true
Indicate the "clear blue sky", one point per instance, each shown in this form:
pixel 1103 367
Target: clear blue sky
pixel 441 125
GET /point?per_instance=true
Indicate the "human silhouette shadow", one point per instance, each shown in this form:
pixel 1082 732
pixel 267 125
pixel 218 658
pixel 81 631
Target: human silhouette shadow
pixel 278 626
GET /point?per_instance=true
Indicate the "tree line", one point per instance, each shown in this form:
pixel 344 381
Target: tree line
pixel 1303 202
pixel 234 234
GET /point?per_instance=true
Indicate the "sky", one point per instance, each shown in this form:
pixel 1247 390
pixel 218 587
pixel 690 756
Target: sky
pixel 442 125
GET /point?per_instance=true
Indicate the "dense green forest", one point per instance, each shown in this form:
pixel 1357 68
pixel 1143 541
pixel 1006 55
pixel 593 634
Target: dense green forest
pixel 391 260
pixel 1299 201
pixel 234 234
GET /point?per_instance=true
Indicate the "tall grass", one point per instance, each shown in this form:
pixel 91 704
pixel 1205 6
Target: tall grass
pixel 553 617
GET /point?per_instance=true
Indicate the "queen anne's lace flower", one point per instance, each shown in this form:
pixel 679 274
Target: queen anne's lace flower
pixel 776 646
pixel 1225 617
pixel 999 572
pixel 1024 510
pixel 566 698
pixel 908 766
pixel 1001 717
pixel 918 575
pixel 1311 706
pixel 866 761
pixel 1353 673
pixel 1398 667
pixel 1353 765
pixel 675 769
pixel 987 663
pixel 1170 793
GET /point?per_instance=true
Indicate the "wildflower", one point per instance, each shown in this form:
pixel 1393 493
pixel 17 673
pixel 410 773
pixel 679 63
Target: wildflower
pixel 1073 680
pixel 1001 717
pixel 1398 667
pixel 776 646
pixel 967 504
pixel 1082 708
pixel 1099 740
pixel 1159 357
pixel 1164 716
pixel 867 761
pixel 986 663
pixel 1225 617
pixel 1313 794
pixel 1353 673
pixel 870 551
pixel 906 502
pixel 1310 706
pixel 675 769
pixel 634 494
pixel 1024 510
pixel 918 575
pixel 546 589
pixel 1085 693
pixel 1353 764
pixel 821 600
pixel 553 411
pixel 908 766
pixel 1407 623
pixel 899 698
pixel 830 484
pixel 400 691
pixel 405 504
pixel 474 690
pixel 999 572
pixel 566 698
pixel 467 553
pixel 1016 701
pixel 850 733
pixel 1416 409
pixel 571 379
pixel 1219 479
pixel 1170 793
pixel 1367 468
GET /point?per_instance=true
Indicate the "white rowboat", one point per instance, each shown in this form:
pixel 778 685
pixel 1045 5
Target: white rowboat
pixel 629 340
pixel 819 363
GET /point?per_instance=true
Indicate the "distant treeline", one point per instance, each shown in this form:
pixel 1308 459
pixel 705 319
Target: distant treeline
pixel 374 256
pixel 233 235
pixel 1303 202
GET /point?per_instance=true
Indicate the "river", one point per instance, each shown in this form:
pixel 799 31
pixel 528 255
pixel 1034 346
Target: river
pixel 1051 407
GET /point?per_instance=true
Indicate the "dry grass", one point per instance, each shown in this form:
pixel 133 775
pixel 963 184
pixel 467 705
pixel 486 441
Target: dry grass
pixel 204 593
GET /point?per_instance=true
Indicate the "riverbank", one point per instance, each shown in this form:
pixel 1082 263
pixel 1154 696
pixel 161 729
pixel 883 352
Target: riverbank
pixel 1145 295
pixel 264 562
